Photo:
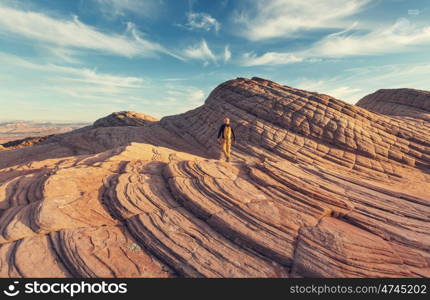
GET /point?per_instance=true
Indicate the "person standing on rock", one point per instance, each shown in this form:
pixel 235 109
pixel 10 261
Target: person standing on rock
pixel 225 134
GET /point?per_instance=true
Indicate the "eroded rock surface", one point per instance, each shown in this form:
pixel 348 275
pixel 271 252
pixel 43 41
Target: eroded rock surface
pixel 317 187
pixel 125 118
pixel 399 102
pixel 23 143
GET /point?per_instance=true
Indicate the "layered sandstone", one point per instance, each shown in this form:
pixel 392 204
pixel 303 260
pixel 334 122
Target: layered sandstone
pixel 317 187
pixel 24 143
pixel 399 102
pixel 125 118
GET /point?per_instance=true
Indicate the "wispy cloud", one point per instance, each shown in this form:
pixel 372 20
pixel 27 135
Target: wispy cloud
pixel 79 82
pixel 202 21
pixel 397 37
pixel 394 38
pixel 79 89
pixel 250 59
pixel 183 97
pixel 146 8
pixel 92 77
pixel 62 54
pixel 355 83
pixel 201 52
pixel 266 19
pixel 75 34
pixel 340 90
pixel 227 53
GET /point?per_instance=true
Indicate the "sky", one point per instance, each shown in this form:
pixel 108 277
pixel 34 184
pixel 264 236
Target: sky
pixel 79 60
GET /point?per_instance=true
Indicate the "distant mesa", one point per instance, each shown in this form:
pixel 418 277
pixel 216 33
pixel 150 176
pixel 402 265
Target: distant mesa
pixel 18 130
pixel 317 188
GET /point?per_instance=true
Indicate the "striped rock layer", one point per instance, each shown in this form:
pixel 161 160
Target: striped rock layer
pixel 317 188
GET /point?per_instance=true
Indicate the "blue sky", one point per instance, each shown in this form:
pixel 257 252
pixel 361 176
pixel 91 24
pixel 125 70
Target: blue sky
pixel 79 60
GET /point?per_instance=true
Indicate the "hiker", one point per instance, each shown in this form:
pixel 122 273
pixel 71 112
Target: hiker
pixel 225 134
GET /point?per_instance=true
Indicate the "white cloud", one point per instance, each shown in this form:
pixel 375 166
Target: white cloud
pixel 227 53
pixel 79 83
pixel 394 38
pixel 332 87
pixel 74 34
pixel 82 93
pixel 200 52
pixel 397 37
pixel 202 21
pixel 83 75
pixel 197 96
pixel 146 8
pixel 269 58
pixel 63 54
pixel 355 83
pixel 183 97
pixel 92 77
pixel 393 76
pixel 147 44
pixel 266 19
pixel 343 92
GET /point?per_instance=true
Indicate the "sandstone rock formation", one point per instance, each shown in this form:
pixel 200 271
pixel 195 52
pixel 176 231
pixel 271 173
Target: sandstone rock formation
pixel 23 143
pixel 399 102
pixel 317 188
pixel 124 118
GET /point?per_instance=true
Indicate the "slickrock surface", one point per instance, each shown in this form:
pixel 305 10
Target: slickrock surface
pixel 399 102
pixel 317 188
pixel 23 143
pixel 125 118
